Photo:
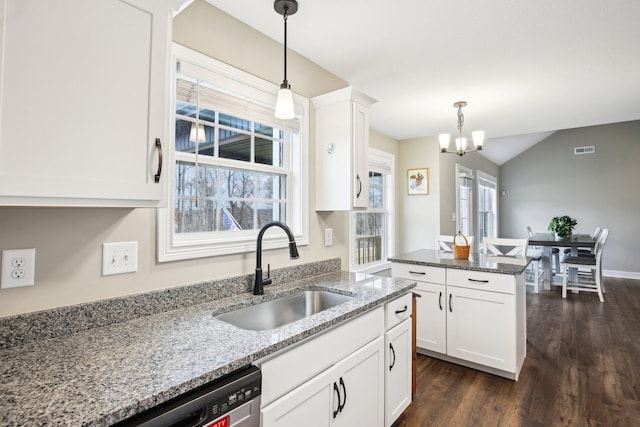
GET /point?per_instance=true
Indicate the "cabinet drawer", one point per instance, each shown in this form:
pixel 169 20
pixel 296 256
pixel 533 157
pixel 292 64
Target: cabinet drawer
pixel 418 272
pixel 503 283
pixel 397 310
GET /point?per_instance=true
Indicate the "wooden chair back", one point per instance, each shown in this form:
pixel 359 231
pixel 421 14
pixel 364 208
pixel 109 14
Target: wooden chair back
pixel 505 247
pixel 445 242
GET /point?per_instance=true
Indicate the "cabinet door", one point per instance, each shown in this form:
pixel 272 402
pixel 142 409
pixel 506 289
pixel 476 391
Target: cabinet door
pixel 83 101
pixel 481 327
pixel 360 149
pixel 397 371
pixel 360 382
pixel 308 405
pixel 431 317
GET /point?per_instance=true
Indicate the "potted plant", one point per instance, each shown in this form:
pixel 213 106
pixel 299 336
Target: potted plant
pixel 562 226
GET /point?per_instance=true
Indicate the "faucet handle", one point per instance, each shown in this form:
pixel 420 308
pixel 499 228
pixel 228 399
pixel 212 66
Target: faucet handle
pixel 267 281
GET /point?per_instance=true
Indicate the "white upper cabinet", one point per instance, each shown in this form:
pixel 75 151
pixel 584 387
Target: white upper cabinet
pixel 83 102
pixel 342 143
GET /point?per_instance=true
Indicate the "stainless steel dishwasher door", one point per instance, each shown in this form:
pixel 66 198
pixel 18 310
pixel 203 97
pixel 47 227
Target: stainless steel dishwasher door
pixel 232 401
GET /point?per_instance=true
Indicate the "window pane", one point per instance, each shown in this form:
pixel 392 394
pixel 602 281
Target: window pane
pixel 268 212
pixel 270 186
pixel 376 187
pixel 228 199
pixel 267 130
pixel 190 218
pixel 369 237
pixel 235 122
pixel 183 143
pixel 185 180
pixel 185 109
pixel 241 212
pixel 234 145
pixel 268 152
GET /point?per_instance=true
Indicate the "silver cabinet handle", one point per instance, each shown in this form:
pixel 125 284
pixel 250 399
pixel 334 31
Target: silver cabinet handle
pixel 159 172
pixel 401 311
pixel 478 281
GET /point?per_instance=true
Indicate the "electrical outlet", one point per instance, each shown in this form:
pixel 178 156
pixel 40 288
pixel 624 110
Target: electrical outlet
pixel 328 236
pixel 18 268
pixel 118 258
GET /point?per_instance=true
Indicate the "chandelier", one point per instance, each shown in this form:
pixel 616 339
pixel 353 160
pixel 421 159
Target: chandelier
pixel 461 142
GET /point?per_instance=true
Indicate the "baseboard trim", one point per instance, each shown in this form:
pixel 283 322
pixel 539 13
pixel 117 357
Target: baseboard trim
pixel 621 274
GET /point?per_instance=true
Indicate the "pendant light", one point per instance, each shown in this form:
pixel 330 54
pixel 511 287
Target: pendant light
pixel 284 103
pixel 461 142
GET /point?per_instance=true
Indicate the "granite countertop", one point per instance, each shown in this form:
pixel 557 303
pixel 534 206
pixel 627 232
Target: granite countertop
pixel 100 376
pixel 476 261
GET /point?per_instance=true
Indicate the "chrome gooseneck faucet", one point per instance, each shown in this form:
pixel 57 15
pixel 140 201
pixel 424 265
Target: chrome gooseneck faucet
pixel 258 288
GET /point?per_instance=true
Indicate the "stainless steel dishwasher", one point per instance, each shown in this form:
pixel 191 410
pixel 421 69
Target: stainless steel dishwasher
pixel 231 401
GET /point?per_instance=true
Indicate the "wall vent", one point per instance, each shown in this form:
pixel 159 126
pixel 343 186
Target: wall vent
pixel 584 150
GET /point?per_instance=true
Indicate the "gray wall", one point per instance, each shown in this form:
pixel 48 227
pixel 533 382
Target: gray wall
pixel 601 189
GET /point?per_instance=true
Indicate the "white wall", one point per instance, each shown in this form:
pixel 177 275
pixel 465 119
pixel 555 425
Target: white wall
pixel 68 240
pixel 418 215
pixel 600 189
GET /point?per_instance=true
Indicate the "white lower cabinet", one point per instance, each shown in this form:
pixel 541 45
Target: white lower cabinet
pixel 348 394
pixel 397 370
pixel 477 319
pixel 481 327
pixel 336 378
pixel 431 326
pixel 397 392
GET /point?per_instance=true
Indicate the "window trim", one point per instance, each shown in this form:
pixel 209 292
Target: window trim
pixel 483 176
pixel 383 162
pixel 246 85
pixel 463 170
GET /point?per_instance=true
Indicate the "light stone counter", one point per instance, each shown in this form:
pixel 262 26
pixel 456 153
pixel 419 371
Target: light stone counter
pixel 475 262
pixel 99 376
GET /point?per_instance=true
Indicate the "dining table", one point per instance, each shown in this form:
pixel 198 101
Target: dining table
pixel 548 241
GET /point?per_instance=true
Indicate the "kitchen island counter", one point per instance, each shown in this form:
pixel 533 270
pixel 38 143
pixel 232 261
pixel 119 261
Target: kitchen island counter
pixel 475 262
pixel 470 311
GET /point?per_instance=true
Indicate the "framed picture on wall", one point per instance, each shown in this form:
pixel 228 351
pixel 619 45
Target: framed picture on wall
pixel 418 181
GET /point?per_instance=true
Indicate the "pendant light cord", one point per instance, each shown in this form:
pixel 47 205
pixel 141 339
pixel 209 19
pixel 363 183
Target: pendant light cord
pixel 285 45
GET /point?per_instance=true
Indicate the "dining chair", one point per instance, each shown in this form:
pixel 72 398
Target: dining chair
pixel 445 242
pixel 496 247
pixel 536 268
pixel 554 260
pixel 505 247
pixel 586 251
pixel 592 283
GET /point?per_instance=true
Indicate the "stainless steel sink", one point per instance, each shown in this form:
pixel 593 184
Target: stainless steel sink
pixel 283 310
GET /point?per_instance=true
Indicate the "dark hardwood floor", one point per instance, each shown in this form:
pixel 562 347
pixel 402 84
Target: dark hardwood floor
pixel 582 369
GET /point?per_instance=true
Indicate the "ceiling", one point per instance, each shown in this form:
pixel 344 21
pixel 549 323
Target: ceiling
pixel 525 68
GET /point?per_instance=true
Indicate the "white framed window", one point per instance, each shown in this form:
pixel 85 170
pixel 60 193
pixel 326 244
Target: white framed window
pixel 464 200
pixel 233 166
pixel 487 206
pixel 371 229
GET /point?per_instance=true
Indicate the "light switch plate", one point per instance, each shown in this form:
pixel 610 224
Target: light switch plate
pixel 119 257
pixel 328 236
